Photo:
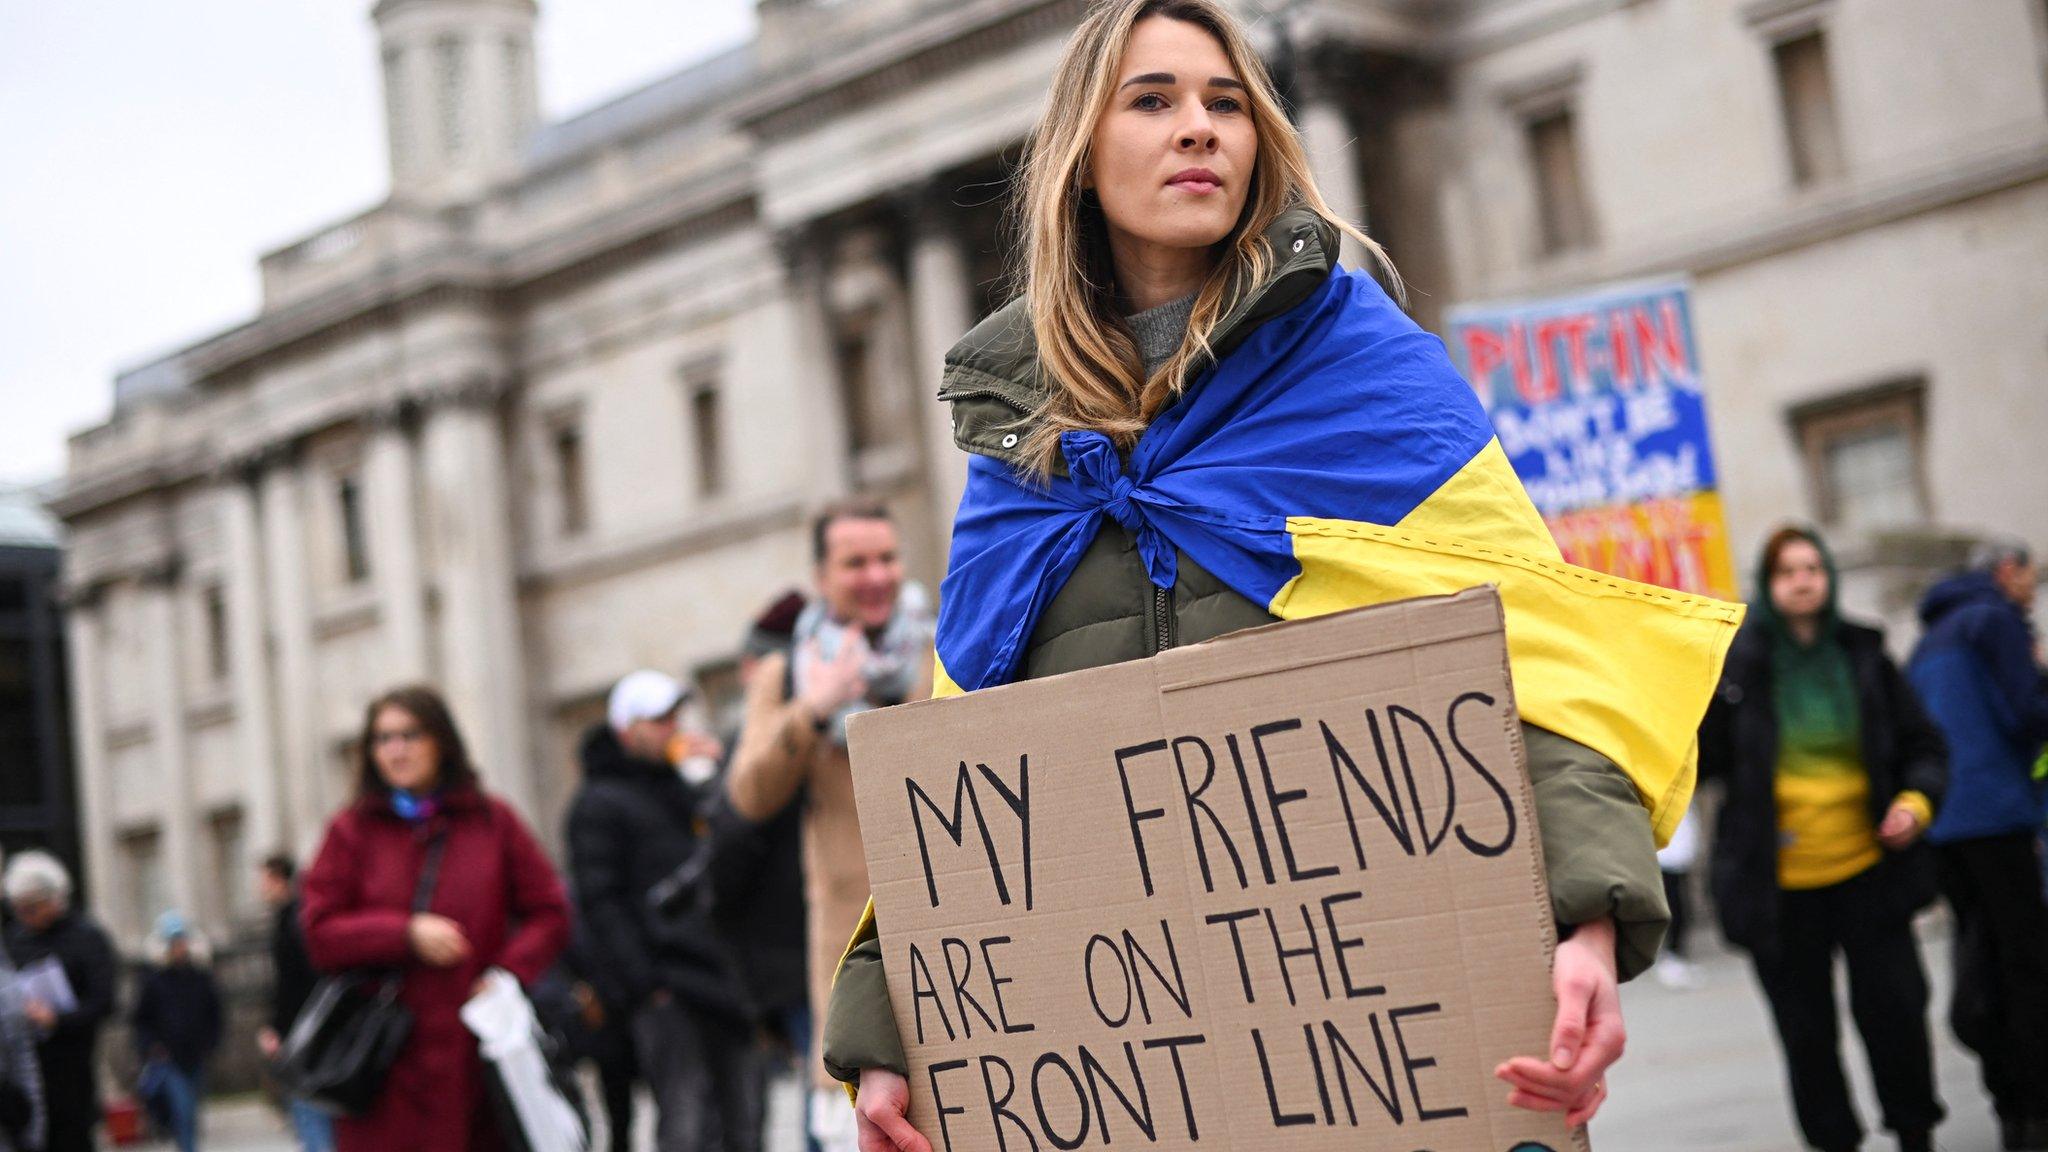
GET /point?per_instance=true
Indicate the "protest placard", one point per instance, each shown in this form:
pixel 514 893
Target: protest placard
pixel 1277 891
pixel 1598 402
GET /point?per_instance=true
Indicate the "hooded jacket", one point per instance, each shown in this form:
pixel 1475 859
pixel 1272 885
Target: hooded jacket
pixel 1974 668
pixel 633 823
pixel 1739 745
pixel 1597 843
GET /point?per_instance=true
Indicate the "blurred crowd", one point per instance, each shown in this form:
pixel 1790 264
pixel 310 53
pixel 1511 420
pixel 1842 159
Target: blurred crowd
pixel 712 878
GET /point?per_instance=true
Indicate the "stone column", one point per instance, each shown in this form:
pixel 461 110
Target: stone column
pixel 483 665
pixel 822 414
pixel 249 671
pixel 941 311
pixel 104 879
pixel 1333 157
pixel 283 508
pixel 393 505
pixel 167 738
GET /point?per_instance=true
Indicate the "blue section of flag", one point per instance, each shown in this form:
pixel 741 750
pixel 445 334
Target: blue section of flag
pixel 1341 408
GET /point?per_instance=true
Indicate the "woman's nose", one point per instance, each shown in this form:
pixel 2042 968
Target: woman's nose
pixel 1198 133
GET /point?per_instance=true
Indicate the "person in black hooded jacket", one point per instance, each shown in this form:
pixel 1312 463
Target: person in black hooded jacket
pixel 1832 771
pixel 633 823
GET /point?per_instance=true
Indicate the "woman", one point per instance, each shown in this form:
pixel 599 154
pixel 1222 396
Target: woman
pixel 1191 422
pixel 495 903
pixel 176 1027
pixel 1832 772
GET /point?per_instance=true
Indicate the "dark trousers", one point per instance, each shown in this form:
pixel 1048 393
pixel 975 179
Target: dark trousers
pixel 1680 902
pixel 611 1049
pixel 71 1095
pixel 2000 1008
pixel 705 1072
pixel 1887 998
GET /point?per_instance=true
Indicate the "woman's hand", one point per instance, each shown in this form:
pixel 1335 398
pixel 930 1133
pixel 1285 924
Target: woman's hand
pixel 437 940
pixel 882 1114
pixel 1587 1038
pixel 1900 828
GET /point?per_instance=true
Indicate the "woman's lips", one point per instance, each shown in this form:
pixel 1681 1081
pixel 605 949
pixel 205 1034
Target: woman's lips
pixel 1199 181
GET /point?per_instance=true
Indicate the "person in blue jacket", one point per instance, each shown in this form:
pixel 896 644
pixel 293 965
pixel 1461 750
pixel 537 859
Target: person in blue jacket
pixel 1977 670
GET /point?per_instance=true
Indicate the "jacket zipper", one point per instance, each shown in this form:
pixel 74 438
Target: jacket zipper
pixel 951 395
pixel 1162 618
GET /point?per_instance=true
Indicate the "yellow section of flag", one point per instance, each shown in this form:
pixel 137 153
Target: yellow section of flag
pixel 1626 669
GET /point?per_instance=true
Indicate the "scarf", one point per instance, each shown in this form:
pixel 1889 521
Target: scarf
pixel 1334 460
pixel 415 807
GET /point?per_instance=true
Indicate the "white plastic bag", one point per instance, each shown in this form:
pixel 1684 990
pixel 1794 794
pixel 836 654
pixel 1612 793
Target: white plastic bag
pixel 538 1117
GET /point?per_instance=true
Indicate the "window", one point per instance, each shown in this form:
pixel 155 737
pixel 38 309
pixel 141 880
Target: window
pixel 851 346
pixel 1864 456
pixel 230 870
pixel 355 547
pixel 1807 102
pixel 148 890
pixel 1564 215
pixel 449 85
pixel 707 427
pixel 566 441
pixel 214 605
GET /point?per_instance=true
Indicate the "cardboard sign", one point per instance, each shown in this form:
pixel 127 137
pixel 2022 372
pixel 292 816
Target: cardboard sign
pixel 1598 402
pixel 1278 891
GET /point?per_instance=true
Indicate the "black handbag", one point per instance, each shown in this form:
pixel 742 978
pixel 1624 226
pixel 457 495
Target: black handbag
pixel 344 1041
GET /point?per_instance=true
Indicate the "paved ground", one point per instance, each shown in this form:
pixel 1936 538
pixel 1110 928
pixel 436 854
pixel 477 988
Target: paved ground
pixel 1702 1075
pixel 1703 1072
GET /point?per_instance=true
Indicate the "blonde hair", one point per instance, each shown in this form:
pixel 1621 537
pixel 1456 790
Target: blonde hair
pixel 1089 361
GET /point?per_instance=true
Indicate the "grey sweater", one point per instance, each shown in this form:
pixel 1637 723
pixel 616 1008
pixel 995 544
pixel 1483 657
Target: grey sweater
pixel 1160 330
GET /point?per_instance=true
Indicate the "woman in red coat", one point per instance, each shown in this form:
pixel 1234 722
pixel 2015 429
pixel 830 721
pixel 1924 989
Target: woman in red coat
pixel 497 903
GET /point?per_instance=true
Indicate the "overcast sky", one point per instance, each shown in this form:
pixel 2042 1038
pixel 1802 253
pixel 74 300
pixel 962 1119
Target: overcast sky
pixel 151 149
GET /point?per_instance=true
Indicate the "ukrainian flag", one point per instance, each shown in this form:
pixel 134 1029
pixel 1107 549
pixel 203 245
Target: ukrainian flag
pixel 1333 461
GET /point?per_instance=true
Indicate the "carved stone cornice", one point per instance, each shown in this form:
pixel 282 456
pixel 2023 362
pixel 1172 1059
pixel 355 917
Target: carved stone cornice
pixel 478 390
pixel 84 596
pixel 400 414
pixel 89 492
pixel 803 249
pixel 918 52
pixel 162 572
pixel 246 464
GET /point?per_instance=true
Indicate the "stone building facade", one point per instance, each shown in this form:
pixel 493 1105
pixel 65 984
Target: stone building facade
pixel 559 406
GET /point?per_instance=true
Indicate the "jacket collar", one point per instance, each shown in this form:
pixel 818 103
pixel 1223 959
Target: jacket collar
pixel 992 380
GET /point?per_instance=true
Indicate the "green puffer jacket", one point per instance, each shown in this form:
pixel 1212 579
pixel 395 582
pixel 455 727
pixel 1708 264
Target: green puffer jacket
pixel 1597 844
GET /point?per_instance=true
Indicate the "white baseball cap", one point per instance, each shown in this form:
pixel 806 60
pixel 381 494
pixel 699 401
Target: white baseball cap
pixel 644 695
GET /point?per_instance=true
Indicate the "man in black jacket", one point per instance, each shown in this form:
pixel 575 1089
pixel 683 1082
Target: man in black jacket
pixel 292 980
pixel 750 875
pixel 44 927
pixel 634 821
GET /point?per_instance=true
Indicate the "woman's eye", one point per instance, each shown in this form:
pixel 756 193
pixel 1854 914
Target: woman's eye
pixel 1149 102
pixel 1226 104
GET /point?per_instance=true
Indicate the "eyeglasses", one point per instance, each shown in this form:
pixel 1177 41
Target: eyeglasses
pixel 397 736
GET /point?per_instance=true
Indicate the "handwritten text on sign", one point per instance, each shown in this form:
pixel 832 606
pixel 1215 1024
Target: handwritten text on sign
pixel 1277 891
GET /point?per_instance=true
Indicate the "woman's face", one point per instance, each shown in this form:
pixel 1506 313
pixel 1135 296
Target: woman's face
pixel 1173 152
pixel 1799 581
pixel 407 758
